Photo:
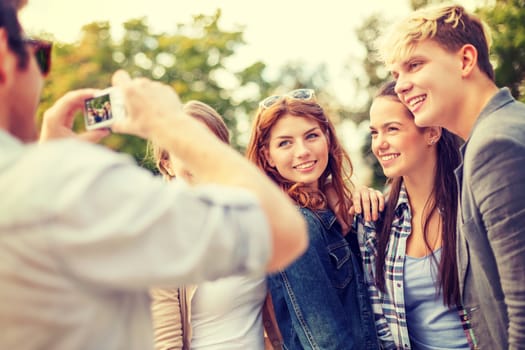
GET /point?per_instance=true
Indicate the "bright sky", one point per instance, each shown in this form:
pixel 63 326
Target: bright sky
pixel 276 31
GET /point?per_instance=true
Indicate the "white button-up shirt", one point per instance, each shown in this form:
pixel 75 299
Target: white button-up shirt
pixel 84 233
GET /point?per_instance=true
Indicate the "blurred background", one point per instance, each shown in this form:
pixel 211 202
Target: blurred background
pixel 231 54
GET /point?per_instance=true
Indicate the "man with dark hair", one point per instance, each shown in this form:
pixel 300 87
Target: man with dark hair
pixel 84 232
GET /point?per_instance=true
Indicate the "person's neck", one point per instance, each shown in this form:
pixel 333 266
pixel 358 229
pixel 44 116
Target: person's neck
pixel 475 101
pixel 419 189
pixel 425 233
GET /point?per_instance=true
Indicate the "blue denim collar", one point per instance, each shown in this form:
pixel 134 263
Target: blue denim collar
pixel 326 216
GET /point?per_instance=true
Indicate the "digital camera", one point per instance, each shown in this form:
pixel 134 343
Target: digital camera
pixel 104 108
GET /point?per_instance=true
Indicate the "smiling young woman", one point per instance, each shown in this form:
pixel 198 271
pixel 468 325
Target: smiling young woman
pixel 320 301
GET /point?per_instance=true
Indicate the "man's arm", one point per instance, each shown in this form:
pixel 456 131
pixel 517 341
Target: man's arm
pixel 155 112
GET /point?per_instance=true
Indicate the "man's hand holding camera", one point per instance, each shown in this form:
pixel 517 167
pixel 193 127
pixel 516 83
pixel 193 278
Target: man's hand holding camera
pixel 58 120
pixel 141 104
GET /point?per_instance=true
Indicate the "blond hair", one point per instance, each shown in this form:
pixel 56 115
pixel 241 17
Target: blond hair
pixel 198 110
pixel 449 25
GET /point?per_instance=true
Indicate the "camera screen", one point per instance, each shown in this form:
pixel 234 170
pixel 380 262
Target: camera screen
pixel 98 109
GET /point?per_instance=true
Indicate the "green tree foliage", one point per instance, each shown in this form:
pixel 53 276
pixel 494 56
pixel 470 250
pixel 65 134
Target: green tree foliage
pixel 376 74
pixel 193 60
pixel 506 19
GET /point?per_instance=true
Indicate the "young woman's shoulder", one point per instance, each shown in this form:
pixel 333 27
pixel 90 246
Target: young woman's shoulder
pixel 323 216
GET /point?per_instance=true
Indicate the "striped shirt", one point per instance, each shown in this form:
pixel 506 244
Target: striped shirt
pixel 389 307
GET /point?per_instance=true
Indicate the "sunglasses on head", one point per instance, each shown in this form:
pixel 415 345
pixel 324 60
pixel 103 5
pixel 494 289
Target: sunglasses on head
pixel 299 94
pixel 42 52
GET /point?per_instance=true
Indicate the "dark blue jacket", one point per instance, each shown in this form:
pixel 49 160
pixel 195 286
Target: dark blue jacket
pixel 321 301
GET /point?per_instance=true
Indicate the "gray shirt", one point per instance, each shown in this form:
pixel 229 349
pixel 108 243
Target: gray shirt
pixel 84 233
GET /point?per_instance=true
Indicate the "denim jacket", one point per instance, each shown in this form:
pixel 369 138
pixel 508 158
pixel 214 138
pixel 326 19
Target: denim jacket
pixel 321 301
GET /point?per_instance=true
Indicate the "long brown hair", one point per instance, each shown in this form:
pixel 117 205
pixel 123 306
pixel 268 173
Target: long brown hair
pixel 337 172
pixel 445 194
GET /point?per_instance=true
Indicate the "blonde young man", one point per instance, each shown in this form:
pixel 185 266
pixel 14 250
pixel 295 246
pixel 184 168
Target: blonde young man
pixel 439 57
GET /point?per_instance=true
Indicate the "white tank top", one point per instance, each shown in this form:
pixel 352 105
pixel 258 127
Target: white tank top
pixel 227 314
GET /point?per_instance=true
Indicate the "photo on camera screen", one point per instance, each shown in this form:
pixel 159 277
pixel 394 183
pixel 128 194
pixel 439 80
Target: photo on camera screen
pixel 98 110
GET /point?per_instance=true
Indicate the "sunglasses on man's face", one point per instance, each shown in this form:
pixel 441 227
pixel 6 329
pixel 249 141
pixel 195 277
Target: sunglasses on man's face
pixel 42 52
pixel 299 94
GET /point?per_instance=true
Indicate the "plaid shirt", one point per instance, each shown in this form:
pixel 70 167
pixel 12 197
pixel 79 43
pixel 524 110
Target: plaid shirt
pixel 389 308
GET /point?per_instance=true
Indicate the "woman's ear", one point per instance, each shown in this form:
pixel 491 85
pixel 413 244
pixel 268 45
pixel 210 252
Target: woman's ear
pixel 433 134
pixel 267 156
pixel 166 165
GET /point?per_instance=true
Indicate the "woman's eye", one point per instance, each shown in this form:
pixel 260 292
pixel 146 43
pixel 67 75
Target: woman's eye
pixel 283 143
pixel 312 135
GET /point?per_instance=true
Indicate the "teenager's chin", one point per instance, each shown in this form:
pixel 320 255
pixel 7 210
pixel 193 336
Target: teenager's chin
pixel 422 120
